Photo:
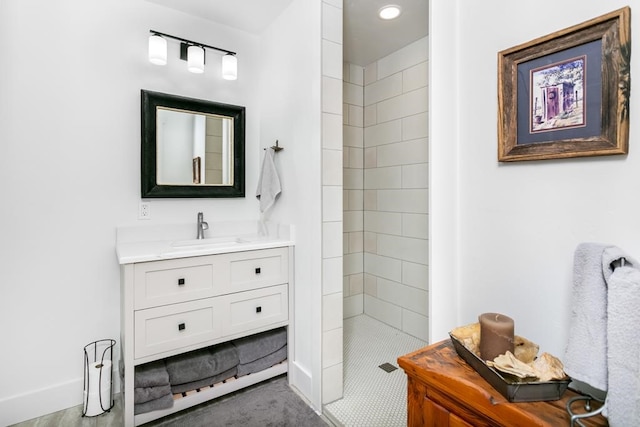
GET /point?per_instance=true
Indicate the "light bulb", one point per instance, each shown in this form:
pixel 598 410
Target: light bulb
pixel 229 67
pixel 389 12
pixel 157 50
pixel 195 59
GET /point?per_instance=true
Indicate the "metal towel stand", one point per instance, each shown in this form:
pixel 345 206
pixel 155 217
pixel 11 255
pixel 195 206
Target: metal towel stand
pixel 575 418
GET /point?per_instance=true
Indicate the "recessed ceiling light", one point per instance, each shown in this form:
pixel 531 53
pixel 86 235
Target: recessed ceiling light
pixel 390 11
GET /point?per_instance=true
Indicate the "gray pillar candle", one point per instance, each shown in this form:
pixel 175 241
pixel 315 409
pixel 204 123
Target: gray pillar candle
pixel 496 335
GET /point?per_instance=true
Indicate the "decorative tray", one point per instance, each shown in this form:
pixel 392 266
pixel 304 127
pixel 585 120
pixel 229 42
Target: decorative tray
pixel 513 388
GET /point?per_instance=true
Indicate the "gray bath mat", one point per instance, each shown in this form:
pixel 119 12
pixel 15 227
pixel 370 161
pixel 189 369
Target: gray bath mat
pixel 270 403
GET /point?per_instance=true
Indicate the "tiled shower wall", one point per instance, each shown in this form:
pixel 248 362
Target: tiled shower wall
pixel 386 171
pixel 353 195
pixel 332 356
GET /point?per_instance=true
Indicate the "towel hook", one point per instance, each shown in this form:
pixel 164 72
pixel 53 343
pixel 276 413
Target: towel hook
pixel 276 147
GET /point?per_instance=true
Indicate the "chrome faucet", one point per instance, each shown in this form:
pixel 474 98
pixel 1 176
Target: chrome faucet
pixel 202 225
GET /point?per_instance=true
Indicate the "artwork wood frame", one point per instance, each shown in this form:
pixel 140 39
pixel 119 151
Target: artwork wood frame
pixel 567 94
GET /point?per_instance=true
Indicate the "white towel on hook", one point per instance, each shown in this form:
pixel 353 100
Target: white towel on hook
pixel 585 357
pixel 268 183
pixel 604 339
pixel 622 405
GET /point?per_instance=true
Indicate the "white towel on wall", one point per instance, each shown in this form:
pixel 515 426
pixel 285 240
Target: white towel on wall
pixel 268 183
pixel 604 335
pixel 623 338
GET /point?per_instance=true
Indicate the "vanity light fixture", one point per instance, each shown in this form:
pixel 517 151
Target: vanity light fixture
pixel 157 50
pixel 229 67
pixel 390 11
pixel 192 52
pixel 195 59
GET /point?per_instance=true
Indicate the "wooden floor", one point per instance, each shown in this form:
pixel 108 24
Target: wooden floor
pixel 72 417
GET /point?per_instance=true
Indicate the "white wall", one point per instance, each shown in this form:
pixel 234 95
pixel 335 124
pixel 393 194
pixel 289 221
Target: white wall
pixel 503 235
pixel 290 104
pixel 70 80
pixel 301 108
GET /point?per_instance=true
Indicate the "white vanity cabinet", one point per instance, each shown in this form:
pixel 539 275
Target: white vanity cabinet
pixel 171 306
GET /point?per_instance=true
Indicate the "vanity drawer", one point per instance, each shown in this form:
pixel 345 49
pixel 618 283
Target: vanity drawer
pixel 258 269
pixel 248 310
pixel 171 327
pixel 158 283
pixel 167 282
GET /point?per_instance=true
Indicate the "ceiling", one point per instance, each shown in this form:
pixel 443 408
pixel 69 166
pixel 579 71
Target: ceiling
pixel 367 38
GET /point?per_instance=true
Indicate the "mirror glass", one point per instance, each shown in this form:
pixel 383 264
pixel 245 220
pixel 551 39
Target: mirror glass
pixel 191 147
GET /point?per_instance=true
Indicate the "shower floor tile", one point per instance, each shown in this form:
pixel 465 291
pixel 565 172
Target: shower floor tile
pixel 372 396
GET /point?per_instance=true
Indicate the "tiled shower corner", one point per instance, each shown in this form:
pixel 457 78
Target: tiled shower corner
pixel 372 396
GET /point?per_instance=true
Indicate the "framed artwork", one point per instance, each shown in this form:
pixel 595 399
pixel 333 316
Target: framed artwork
pixel 567 94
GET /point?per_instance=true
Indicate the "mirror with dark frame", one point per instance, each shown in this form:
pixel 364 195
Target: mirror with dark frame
pixel 191 147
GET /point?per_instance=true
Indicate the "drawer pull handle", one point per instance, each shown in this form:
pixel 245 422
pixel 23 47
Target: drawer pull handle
pixel 257 270
pixel 258 309
pixel 182 327
pixel 180 282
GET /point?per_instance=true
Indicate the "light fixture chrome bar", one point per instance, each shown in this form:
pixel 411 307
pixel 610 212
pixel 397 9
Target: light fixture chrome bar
pixel 192 42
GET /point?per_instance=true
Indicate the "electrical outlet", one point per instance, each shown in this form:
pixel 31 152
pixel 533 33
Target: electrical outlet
pixel 144 211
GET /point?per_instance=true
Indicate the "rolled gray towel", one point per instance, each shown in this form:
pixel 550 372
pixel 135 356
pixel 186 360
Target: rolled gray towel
pixel 199 364
pixel 146 394
pixel 260 345
pixel 263 363
pixel 151 374
pixel 181 388
pixel 164 402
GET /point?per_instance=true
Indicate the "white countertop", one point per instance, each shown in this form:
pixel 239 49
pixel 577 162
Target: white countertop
pixel 159 242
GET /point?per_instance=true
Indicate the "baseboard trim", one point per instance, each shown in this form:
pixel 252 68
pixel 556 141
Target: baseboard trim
pixel 301 379
pixel 36 403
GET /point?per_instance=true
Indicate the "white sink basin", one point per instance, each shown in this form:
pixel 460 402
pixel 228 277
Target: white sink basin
pixel 214 241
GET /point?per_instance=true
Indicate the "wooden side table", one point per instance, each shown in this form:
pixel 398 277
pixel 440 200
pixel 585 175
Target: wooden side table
pixel 443 390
